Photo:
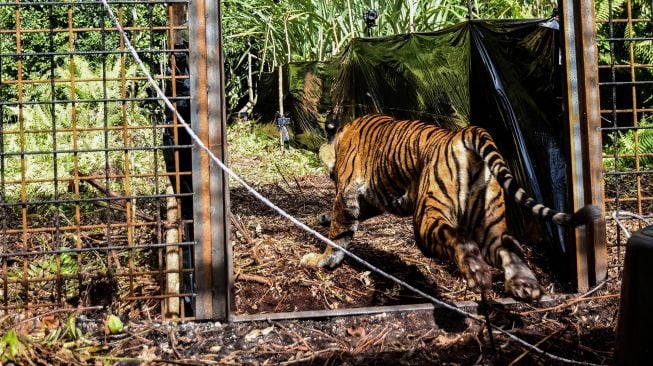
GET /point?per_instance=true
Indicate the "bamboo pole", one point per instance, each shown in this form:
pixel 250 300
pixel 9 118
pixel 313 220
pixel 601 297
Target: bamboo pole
pixel 172 255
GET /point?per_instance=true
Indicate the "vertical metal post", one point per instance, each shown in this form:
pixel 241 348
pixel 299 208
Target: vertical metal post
pixel 212 250
pixel 583 111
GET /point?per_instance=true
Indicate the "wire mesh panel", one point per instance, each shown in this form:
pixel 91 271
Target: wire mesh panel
pixel 625 41
pixel 86 153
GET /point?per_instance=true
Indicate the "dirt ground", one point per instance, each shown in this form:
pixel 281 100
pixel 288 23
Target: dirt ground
pixel 270 279
pixel 267 251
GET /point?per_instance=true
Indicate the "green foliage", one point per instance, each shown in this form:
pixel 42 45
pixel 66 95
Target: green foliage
pixel 38 19
pixel 257 157
pixel 82 125
pixel 11 348
pixel 113 324
pixel 72 330
pixel 624 143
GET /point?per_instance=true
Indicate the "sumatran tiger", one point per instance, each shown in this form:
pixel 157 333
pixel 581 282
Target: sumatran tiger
pixel 450 181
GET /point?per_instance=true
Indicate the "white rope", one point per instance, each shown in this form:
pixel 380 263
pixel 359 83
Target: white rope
pixel 617 215
pixel 303 226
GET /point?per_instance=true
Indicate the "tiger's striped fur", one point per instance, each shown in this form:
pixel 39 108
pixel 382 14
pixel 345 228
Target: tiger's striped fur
pixel 451 181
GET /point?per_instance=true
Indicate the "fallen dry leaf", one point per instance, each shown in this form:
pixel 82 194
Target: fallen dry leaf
pixel 357 332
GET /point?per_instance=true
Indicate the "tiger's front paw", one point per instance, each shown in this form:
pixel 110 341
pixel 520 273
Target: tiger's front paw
pixel 524 289
pixel 322 260
pixel 310 260
pixel 477 273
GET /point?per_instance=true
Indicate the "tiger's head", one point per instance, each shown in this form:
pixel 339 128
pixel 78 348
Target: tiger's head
pixel 327 151
pixel 327 155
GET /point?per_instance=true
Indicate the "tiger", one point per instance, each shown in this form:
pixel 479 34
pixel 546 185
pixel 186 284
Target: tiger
pixel 452 182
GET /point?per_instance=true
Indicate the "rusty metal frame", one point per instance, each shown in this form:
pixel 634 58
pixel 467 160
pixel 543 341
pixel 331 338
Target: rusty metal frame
pixel 211 204
pixel 468 306
pixel 582 106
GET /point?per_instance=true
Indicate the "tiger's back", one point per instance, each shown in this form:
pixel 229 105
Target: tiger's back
pixel 452 182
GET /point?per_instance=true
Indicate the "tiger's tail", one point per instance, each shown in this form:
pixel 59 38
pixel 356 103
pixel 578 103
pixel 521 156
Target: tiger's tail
pixel 479 140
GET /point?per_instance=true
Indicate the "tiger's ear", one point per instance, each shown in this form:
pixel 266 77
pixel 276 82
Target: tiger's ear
pixel 328 156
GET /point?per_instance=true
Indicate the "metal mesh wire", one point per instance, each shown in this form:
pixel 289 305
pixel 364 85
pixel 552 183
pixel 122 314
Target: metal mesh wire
pixel 82 171
pixel 625 36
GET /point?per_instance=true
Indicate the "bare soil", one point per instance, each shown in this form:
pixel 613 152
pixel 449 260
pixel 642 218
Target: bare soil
pixel 270 279
pixel 267 251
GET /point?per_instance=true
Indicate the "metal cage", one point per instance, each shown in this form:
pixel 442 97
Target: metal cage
pixel 85 160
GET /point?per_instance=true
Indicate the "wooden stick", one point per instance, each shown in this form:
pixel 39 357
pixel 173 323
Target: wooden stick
pixel 172 256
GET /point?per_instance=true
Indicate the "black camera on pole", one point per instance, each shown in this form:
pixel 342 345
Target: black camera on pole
pixel 369 17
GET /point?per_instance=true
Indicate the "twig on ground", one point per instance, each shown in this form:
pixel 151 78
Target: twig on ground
pixel 173 343
pixel 526 352
pixel 313 356
pixel 253 278
pixel 568 303
pixel 238 223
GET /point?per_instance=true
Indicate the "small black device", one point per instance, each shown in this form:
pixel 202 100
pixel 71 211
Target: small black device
pixel 369 17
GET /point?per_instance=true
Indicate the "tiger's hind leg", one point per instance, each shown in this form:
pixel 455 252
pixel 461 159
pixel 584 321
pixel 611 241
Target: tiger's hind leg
pixel 438 237
pixel 486 219
pixel 521 282
pixel 504 251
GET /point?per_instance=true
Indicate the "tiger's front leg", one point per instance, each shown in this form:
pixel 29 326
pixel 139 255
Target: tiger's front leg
pixel 344 220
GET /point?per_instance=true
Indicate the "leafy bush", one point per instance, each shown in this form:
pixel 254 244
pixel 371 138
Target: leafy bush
pixel 259 158
pixel 76 130
pixel 623 143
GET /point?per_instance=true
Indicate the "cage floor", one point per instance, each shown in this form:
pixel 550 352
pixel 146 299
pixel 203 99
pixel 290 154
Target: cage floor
pixel 268 249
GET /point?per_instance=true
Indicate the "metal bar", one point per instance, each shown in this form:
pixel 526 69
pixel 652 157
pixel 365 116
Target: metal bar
pixel 91 79
pixel 70 101
pixel 625 39
pixel 638 65
pixel 463 305
pixel 622 199
pixel 94 275
pixel 88 29
pixel 108 129
pixel 622 21
pixel 74 151
pixel 73 228
pixel 98 249
pixel 3 215
pixel 21 122
pixel 627 128
pixel 635 119
pixel 57 234
pixel 221 250
pixel 90 2
pixel 94 199
pixel 109 176
pixel 201 169
pixel 626 83
pixel 581 66
pixel 79 53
